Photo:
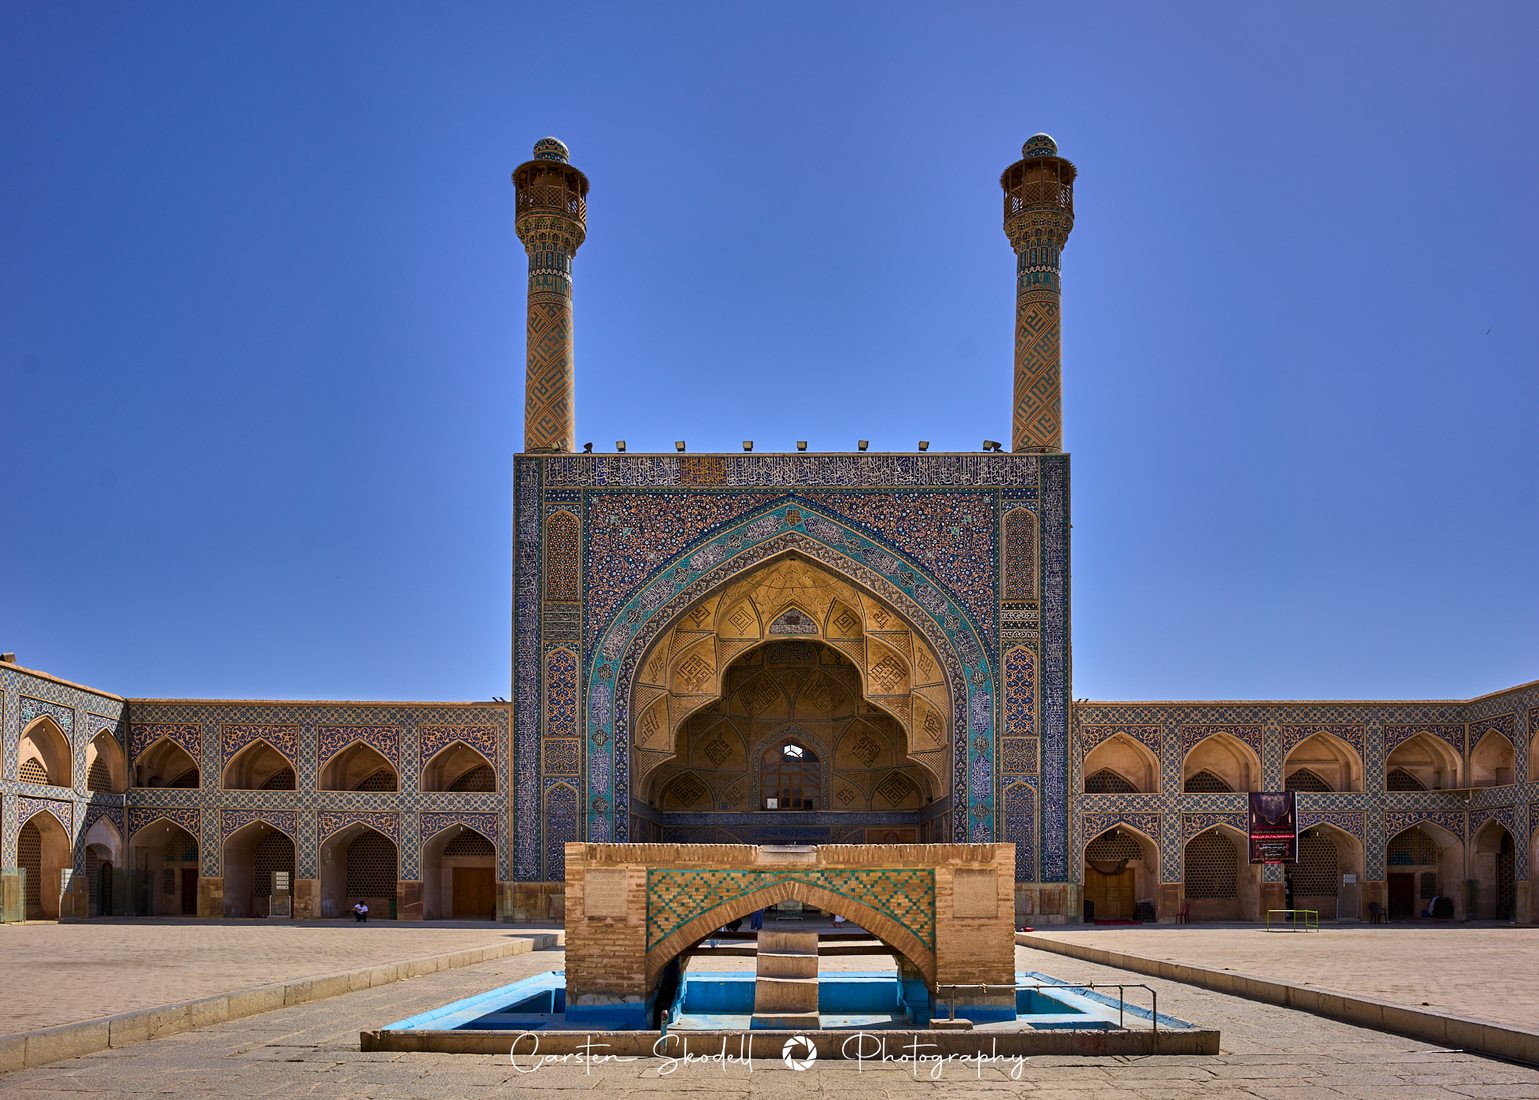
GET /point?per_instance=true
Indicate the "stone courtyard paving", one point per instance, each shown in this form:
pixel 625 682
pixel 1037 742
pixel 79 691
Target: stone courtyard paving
pixel 63 973
pixel 312 1049
pixel 1484 973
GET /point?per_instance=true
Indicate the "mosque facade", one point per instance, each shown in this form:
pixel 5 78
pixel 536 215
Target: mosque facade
pixel 792 649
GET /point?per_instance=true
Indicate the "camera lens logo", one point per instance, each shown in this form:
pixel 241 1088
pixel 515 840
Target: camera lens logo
pixel 799 1053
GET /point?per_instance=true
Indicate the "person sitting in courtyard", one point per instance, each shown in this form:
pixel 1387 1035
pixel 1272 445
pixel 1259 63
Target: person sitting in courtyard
pixel 361 912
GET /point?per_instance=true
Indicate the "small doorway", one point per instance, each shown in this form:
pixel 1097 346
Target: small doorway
pixel 474 893
pixel 104 889
pixel 189 891
pixel 1402 895
pixel 1110 895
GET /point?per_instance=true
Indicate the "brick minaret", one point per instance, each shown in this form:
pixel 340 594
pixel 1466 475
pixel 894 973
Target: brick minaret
pixel 552 204
pixel 1039 212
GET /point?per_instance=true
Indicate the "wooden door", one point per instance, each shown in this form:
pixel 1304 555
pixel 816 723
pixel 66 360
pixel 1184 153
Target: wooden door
pixel 189 891
pixel 1402 895
pixel 1112 895
pixel 475 893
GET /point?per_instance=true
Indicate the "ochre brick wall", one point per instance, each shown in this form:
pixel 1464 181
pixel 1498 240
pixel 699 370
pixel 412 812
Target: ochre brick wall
pixel 947 909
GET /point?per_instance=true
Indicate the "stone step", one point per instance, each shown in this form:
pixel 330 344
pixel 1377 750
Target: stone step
pixel 774 964
pixel 781 995
pixel 785 1021
pixel 789 943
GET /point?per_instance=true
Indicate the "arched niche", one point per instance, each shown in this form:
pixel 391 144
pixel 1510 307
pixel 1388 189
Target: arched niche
pixel 43 853
pixel 1493 869
pixel 1492 761
pixel 1226 758
pixel 359 863
pixel 1326 854
pixel 728 755
pixel 165 764
pixel 1121 869
pixel 1426 759
pixel 43 755
pixel 459 875
pixel 253 854
pixel 1121 756
pixel 164 859
pixel 1220 882
pixel 458 767
pixel 1327 760
pixel 1423 862
pixel 106 769
pixel 876 664
pixel 359 767
pixel 103 848
pixel 259 767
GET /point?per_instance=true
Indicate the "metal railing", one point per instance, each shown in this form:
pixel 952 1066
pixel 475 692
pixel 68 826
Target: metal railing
pixel 1120 987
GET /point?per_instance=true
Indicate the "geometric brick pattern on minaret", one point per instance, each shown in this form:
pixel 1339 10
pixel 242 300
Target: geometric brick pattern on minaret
pixel 1039 214
pixel 552 204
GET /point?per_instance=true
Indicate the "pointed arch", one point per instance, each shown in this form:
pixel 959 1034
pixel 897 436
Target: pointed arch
pixel 103 848
pixel 1493 869
pixel 459 874
pixel 1121 866
pixel 1423 861
pixel 789 526
pixel 43 853
pixel 1219 881
pixel 1493 761
pixel 166 764
pixel 46 745
pixel 259 766
pixel 1225 756
pixel 893 935
pixel 106 767
pixel 1330 760
pixel 1327 853
pixel 1428 759
pixel 359 766
pixel 359 863
pixel 253 854
pixel 459 767
pixel 1128 760
pixel 164 859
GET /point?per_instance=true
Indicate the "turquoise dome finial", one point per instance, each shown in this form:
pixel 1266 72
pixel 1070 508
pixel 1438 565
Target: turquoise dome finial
pixel 549 148
pixel 1039 145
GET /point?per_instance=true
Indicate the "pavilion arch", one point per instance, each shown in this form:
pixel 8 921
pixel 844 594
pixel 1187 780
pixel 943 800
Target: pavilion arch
pixel 44 852
pixel 252 855
pixel 1425 759
pixel 459 875
pixel 900 940
pixel 103 848
pixel 683 670
pixel 1493 761
pixel 893 588
pixel 1122 868
pixel 1326 853
pixel 1423 861
pixel 43 755
pixel 165 764
pixel 1328 759
pixel 106 769
pixel 458 767
pixel 164 861
pixel 1493 869
pixel 1227 759
pixel 359 863
pixel 1126 759
pixel 1220 881
pixel 260 767
pixel 359 767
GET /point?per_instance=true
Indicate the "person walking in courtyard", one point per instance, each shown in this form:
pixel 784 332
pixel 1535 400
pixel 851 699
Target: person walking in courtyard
pixel 756 922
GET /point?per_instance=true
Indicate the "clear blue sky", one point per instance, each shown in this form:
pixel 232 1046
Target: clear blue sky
pixel 261 316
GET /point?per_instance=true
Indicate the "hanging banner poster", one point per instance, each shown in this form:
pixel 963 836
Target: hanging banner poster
pixel 1274 827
